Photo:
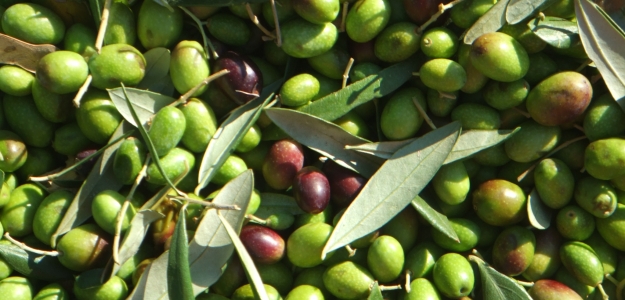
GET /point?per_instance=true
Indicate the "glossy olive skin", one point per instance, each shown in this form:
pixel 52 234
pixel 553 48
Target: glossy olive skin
pixel 84 247
pixel 284 159
pixel 345 184
pixel 547 289
pixel 263 244
pixel 499 202
pixel 312 190
pixel 244 76
pixel 513 250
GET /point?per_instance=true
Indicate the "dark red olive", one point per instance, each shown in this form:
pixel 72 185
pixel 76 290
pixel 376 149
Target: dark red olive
pixel 312 190
pixel 420 11
pixel 244 82
pixel 345 184
pixel 362 52
pixel 263 244
pixel 284 159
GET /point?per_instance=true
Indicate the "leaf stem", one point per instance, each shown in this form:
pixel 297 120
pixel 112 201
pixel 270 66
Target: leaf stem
pixel 564 145
pixel 207 43
pixel 254 20
pixel 189 94
pixel 103 24
pixel 81 162
pixel 348 68
pixel 423 114
pixel 30 249
pixel 276 22
pixel 81 92
pixel 121 215
pixel 442 8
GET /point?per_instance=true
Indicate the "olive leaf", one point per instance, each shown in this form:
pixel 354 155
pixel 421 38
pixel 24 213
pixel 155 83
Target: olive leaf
pixel 376 293
pixel 324 137
pixel 400 179
pixel 99 179
pixel 491 21
pixel 519 10
pixel 435 218
pixel 206 3
pixel 34 266
pixel 469 143
pixel 337 104
pixel 178 273
pixel 156 69
pixel 96 10
pixel 538 213
pixel 496 285
pixel 210 248
pixel 226 138
pixel 22 54
pixel 248 264
pixel 603 41
pixel 280 202
pixel 145 103
pixel 557 32
pixel 618 16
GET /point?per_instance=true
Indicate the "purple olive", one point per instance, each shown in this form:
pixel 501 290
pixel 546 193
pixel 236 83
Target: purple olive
pixel 312 190
pixel 284 159
pixel 345 184
pixel 264 245
pixel 244 82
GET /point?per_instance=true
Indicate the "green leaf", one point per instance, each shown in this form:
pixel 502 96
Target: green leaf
pixel 604 44
pixel 394 186
pixel 273 201
pixel 178 272
pixel 34 266
pixel 538 213
pixel 210 3
pixel 156 69
pixel 498 286
pixel 210 248
pixel 557 32
pixel 339 103
pixel 146 139
pixel 376 293
pixel 96 10
pixel 436 219
pixel 226 138
pixel 248 264
pixel 519 10
pixel 469 143
pixel 99 179
pixel 324 137
pixel 145 103
pixel 135 235
pixel 491 21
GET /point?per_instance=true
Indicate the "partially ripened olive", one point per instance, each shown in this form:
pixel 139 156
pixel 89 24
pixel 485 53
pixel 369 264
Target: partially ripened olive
pixel 284 159
pixel 263 244
pixel 244 81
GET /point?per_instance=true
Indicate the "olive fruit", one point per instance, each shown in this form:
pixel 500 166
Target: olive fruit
pixel 284 159
pixel 312 190
pixel 263 244
pixel 84 247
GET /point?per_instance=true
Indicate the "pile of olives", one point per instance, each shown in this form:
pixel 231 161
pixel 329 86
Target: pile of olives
pixel 566 155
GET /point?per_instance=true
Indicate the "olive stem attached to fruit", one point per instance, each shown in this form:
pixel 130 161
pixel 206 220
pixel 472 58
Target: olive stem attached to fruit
pixel 525 283
pixel 611 279
pixel 275 21
pixel 619 290
pixel 423 114
pixel 254 20
pixel 205 203
pixel 407 284
pixel 348 68
pixel 442 8
pixel 81 92
pixel 103 24
pixel 200 25
pixel 29 249
pixel 344 16
pixel 207 80
pixel 564 145
pixel 602 291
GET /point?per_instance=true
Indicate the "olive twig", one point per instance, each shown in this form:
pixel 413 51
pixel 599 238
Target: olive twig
pixel 477 254
pixel 423 114
pixel 256 220
pixel 564 145
pixel 276 23
pixel 103 24
pixel 583 65
pixel 183 98
pixel 619 290
pixel 447 95
pixel 604 295
pixel 207 43
pixel 442 8
pixel 29 249
pixel 344 16
pixel 580 128
pixel 525 283
pixel 205 203
pixel 350 250
pixel 611 279
pixel 81 92
pixel 407 285
pixel 390 287
pixel 348 68
pixel 254 20
pixel 121 214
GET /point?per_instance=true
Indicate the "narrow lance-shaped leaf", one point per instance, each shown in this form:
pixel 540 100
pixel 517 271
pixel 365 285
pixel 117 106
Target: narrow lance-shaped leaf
pixel 519 10
pixel 34 266
pixel 146 139
pixel 498 286
pixel 324 137
pixel 376 293
pixel 248 264
pixel 557 32
pixel 394 186
pixel 99 179
pixel 178 273
pixel 210 248
pixel 156 69
pixel 491 21
pixel 436 219
pixel 604 45
pixel 273 201
pixel 226 138
pixel 145 103
pixel 339 103
pixel 538 213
